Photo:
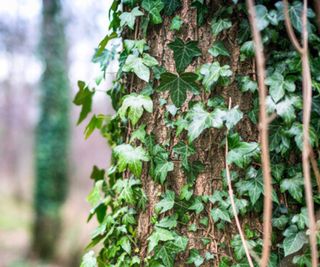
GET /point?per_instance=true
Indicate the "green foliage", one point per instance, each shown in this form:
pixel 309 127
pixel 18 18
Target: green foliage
pixel 178 85
pixel 184 53
pixel 196 110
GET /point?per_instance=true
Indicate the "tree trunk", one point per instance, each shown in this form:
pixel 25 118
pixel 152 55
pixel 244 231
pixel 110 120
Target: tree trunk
pixel 52 133
pixel 208 146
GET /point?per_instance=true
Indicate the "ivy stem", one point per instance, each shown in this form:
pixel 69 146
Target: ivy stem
pixel 263 129
pixel 233 205
pixel 307 101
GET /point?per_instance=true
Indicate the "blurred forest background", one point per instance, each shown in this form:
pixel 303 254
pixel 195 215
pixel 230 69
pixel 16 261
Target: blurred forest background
pixel 20 73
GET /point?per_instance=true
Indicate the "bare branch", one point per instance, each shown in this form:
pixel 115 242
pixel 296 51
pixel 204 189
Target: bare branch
pixel 307 101
pixel 233 205
pixel 289 28
pixel 263 118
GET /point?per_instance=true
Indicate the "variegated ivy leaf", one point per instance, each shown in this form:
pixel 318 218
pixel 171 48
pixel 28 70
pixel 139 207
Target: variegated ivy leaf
pixel 89 260
pixel 278 86
pixel 128 18
pixel 134 105
pixel 200 119
pixel 140 66
pixel 131 157
pixel 213 73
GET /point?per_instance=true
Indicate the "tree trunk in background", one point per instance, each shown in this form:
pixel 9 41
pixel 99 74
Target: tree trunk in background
pixel 52 136
pixel 208 145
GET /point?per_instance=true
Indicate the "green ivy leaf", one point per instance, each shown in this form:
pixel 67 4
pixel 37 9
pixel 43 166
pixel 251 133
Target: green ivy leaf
pixel 214 73
pixel 130 156
pixel 124 242
pixel 135 104
pixel 184 53
pixel 162 169
pixel 278 86
pixel 83 98
pixel 242 153
pixel 294 242
pixel 197 206
pixel 170 6
pixel 139 134
pixel 247 85
pixel 159 234
pixel 294 186
pixel 280 222
pixel 220 25
pixel 125 189
pixel 301 219
pixel 176 23
pixel 184 151
pixel 238 248
pixel 154 8
pixel 220 214
pixel 261 19
pixel 195 258
pixel 140 66
pixel 218 49
pixel 296 130
pixel 167 202
pixel 168 222
pixel 89 260
pixel 128 18
pixel 178 85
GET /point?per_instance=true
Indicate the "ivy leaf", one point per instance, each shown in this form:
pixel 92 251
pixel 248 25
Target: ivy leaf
pixel 185 193
pixel 124 242
pixel 294 186
pixel 232 117
pixel 246 84
pixel 167 202
pixel 195 258
pixel 200 120
pixel 294 242
pixel 285 109
pixel 178 85
pixel 83 98
pixel 139 134
pixel 170 6
pixel 168 222
pixel 89 260
pixel 184 151
pixel 128 18
pixel 278 86
pixel 220 214
pixel 213 72
pixel 220 25
pixel 261 17
pixel 135 104
pixel 130 156
pixel 301 219
pixel 242 154
pixel 238 248
pixel 197 206
pixel 159 234
pixel 280 222
pixel 184 53
pixel 125 189
pixel 176 23
pixel 218 49
pixel 140 65
pixel 162 169
pixel 296 130
pixel 154 8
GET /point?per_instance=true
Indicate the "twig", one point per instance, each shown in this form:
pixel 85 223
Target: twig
pixel 263 128
pixel 307 101
pixel 289 28
pixel 233 205
pixel 315 168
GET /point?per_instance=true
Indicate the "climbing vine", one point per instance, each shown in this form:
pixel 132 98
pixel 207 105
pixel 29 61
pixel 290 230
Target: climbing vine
pixel 155 224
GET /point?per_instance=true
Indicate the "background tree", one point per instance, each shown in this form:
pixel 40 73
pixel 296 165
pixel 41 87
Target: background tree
pixel 52 136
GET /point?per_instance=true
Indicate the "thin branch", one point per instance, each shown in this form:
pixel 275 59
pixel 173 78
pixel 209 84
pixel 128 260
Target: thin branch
pixel 315 168
pixel 233 205
pixel 289 28
pixel 307 102
pixel 263 128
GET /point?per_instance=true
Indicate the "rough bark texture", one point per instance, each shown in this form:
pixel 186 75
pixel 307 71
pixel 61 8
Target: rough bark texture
pixel 208 145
